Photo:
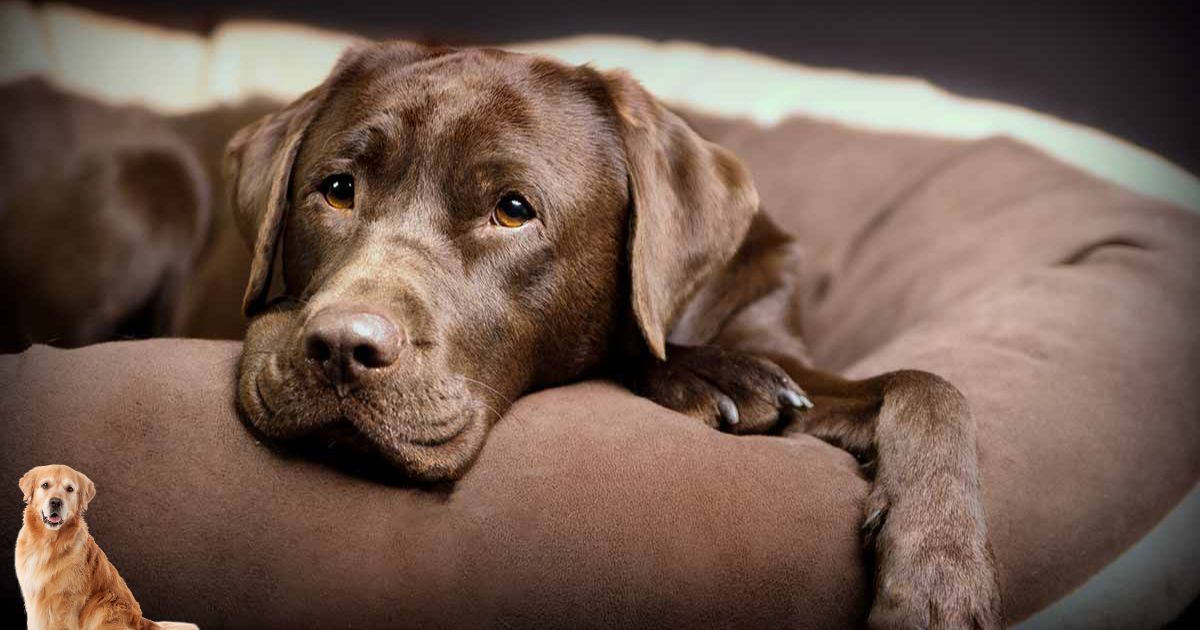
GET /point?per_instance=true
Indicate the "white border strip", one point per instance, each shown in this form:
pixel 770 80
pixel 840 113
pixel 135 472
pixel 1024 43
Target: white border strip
pixel 732 82
pixel 1159 574
pixel 179 71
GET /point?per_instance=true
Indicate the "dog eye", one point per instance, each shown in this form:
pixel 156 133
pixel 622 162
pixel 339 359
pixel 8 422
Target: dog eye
pixel 338 191
pixel 70 488
pixel 512 211
pixel 45 485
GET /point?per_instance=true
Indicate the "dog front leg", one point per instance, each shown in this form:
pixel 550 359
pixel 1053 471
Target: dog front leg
pixel 915 435
pixel 924 516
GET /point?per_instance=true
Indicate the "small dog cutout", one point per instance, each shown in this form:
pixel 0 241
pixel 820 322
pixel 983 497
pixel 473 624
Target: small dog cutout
pixel 65 578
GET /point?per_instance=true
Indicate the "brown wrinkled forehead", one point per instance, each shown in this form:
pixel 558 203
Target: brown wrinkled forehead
pixel 497 81
pixel 515 88
pixel 397 107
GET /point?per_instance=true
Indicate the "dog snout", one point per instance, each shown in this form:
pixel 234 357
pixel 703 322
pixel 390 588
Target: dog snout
pixel 56 504
pixel 346 343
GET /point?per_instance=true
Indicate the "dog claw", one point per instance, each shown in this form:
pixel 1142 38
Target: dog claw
pixel 729 411
pixel 867 466
pixel 873 522
pixel 794 399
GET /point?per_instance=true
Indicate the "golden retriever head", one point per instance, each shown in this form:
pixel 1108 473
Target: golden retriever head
pixel 56 494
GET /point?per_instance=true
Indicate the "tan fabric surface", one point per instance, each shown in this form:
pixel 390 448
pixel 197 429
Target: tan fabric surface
pixel 1064 308
pixel 589 508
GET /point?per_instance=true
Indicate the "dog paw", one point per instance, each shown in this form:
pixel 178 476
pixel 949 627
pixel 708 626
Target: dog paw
pixel 931 571
pixel 732 391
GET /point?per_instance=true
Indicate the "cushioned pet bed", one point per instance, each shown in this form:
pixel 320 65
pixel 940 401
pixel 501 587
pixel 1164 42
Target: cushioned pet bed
pixel 1063 305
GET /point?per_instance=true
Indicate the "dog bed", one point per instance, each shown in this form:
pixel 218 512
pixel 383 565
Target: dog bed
pixel 1061 304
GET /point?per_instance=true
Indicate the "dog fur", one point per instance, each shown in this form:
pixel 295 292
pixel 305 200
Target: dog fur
pixel 411 317
pixel 66 580
pixel 103 212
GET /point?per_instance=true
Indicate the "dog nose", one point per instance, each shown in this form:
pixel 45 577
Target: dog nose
pixel 55 504
pixel 347 343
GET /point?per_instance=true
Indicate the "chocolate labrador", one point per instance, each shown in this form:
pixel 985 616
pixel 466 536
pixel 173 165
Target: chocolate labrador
pixel 103 211
pixel 109 228
pixel 449 229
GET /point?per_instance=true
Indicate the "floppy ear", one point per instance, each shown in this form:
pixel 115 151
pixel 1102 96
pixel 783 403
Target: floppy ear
pixel 259 160
pixel 27 483
pixel 87 491
pixel 692 203
pixel 258 168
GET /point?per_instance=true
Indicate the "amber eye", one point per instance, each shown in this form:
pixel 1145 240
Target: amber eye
pixel 45 485
pixel 512 211
pixel 338 191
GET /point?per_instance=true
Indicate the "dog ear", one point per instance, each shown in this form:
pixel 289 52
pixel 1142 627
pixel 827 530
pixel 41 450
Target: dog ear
pixel 27 483
pixel 259 159
pixel 692 202
pixel 87 491
pixel 258 168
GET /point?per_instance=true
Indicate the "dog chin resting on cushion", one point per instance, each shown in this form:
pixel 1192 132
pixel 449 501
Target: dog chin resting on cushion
pixel 65 578
pixel 453 228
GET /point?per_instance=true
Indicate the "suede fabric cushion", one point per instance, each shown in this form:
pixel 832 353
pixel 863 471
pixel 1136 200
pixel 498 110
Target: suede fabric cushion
pixel 1063 307
pixel 589 508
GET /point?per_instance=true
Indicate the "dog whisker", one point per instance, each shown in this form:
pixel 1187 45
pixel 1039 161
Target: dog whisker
pixel 488 387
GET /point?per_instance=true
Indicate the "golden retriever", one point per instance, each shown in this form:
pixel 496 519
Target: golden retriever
pixel 66 580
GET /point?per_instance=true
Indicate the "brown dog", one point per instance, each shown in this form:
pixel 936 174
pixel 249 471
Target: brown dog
pixel 458 227
pixel 108 225
pixel 103 211
pixel 65 578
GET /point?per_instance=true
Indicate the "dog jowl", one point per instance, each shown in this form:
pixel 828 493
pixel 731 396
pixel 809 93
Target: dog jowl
pixel 454 228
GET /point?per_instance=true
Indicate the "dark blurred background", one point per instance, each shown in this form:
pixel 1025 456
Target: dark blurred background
pixel 1128 68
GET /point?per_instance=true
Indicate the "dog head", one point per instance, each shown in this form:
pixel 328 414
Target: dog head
pixel 451 228
pixel 56 496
